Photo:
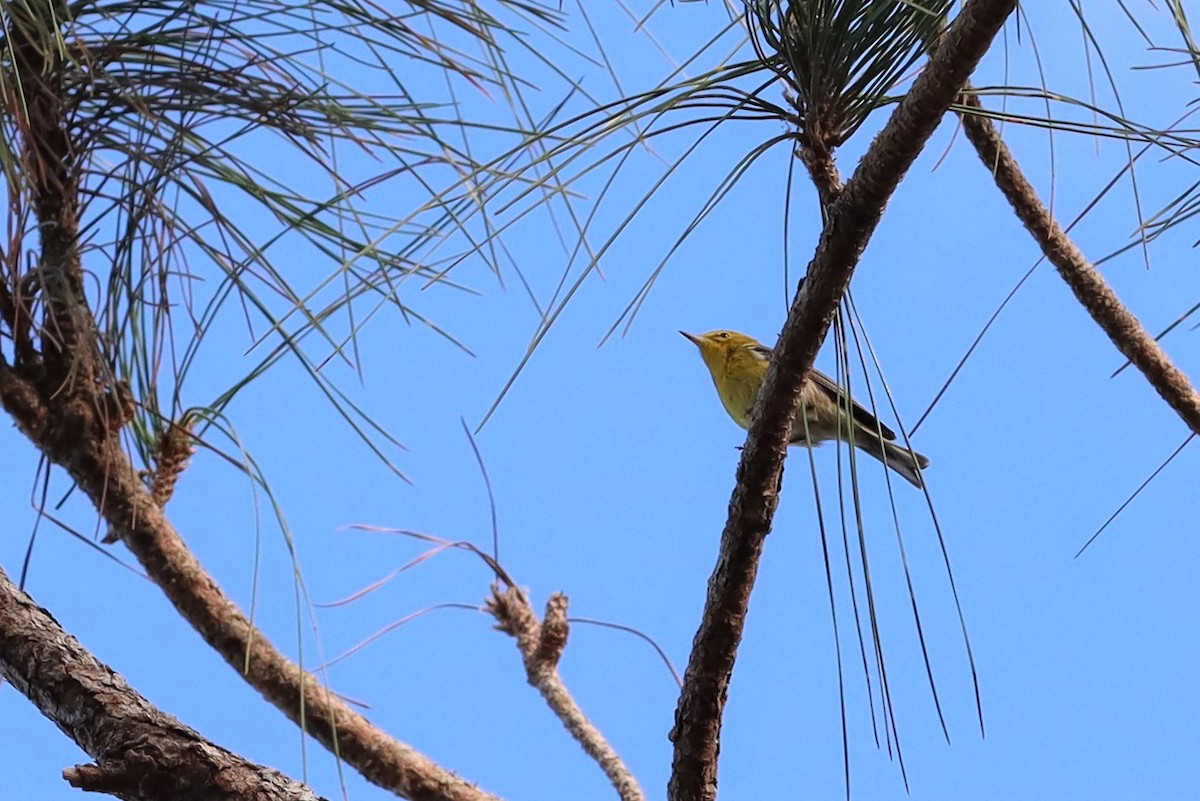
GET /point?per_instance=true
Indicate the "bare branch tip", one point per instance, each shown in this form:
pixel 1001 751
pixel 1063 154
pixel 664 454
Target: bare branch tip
pixel 555 630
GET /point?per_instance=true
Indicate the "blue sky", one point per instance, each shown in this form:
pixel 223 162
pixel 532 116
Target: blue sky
pixel 612 469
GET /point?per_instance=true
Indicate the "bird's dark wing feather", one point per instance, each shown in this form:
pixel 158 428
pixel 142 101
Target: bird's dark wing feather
pixel 858 413
pixel 761 352
pixel 826 384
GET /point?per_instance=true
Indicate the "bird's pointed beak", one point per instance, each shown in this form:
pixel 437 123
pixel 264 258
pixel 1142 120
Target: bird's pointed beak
pixel 695 340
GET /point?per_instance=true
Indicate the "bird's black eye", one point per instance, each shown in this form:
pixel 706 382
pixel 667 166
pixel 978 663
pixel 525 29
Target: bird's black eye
pixel 723 335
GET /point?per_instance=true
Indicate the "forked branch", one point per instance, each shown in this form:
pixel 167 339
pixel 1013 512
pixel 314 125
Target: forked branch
pixel 541 645
pixel 851 221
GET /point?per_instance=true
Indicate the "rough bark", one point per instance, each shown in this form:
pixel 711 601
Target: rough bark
pixel 850 222
pixel 140 752
pixel 541 644
pixel 61 394
pixel 1089 286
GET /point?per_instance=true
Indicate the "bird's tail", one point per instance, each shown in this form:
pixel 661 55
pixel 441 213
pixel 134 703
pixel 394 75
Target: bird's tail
pixel 905 462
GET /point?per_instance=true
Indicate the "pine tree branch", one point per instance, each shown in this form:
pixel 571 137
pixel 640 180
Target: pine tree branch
pixel 1089 286
pixel 851 221
pixel 95 460
pixel 140 752
pixel 103 471
pixel 541 644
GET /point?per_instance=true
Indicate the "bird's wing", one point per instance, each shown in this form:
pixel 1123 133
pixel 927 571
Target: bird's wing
pixel 826 384
pixel 860 415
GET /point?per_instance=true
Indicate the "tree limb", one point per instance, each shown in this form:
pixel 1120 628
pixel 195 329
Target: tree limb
pixel 851 221
pixel 141 753
pixel 76 438
pixel 1089 286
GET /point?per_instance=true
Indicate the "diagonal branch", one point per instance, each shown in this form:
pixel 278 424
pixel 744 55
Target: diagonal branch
pixel 851 221
pixel 1089 286
pixel 139 751
pixel 94 459
pixel 541 645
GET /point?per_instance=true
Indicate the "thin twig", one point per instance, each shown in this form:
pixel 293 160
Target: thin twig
pixel 541 645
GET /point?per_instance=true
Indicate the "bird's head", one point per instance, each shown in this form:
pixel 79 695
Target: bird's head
pixel 716 346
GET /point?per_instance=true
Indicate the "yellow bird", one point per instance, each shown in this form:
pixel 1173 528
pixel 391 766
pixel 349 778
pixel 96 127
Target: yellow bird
pixel 738 364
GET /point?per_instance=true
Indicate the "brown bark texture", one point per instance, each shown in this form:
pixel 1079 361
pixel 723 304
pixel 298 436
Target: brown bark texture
pixel 850 221
pixel 95 460
pixel 1089 286
pixel 60 391
pixel 541 645
pixel 140 752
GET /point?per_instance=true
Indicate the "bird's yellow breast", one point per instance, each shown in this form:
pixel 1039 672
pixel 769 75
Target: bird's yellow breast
pixel 738 397
pixel 738 400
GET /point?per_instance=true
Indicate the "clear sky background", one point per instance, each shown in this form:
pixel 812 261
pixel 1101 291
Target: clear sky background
pixel 612 468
